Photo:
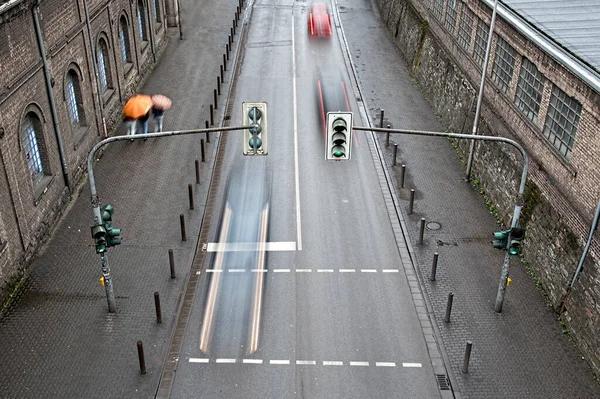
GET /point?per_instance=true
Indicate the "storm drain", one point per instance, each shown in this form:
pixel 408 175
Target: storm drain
pixel 443 382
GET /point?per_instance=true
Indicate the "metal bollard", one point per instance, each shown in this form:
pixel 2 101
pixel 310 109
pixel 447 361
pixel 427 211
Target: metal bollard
pixel 412 201
pixel 395 153
pixel 387 136
pixel 227 51
pixel 202 150
pixel 191 196
pixel 197 166
pixel 421 231
pixel 157 306
pixel 402 174
pixel 172 263
pixel 207 133
pixel 218 85
pixel 231 33
pixel 140 347
pixel 449 308
pixel 215 97
pixel 221 67
pixel 465 367
pixel 182 225
pixel 212 111
pixel 381 118
pixel 434 266
pixel 224 63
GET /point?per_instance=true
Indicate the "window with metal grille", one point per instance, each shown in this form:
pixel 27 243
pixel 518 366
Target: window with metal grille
pixel 124 34
pixel 562 121
pixel 103 65
pixel 504 64
pixel 72 85
pixel 481 38
pixel 466 27
pixel 142 21
pixel 451 16
pixel 29 143
pixel 438 8
pixel 529 90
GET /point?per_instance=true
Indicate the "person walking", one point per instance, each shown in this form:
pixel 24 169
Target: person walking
pixel 130 125
pixel 158 119
pixel 144 123
pixel 160 103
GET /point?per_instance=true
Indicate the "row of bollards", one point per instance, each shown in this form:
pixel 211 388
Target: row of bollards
pixel 467 357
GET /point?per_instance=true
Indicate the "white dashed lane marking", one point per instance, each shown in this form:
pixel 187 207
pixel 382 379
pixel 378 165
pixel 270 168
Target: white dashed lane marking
pixel 325 270
pixel 368 270
pixel 347 270
pixel 299 270
pixel 283 362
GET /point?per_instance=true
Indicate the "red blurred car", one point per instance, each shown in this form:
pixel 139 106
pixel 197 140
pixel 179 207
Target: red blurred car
pixel 319 21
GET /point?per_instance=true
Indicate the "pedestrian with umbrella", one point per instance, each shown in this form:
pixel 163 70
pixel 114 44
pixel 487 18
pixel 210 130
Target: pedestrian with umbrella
pixel 137 108
pixel 160 103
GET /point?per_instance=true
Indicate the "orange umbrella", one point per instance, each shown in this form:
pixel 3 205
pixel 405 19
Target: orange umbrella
pixel 137 106
pixel 161 102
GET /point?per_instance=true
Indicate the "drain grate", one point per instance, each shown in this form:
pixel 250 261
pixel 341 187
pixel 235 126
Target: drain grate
pixel 443 382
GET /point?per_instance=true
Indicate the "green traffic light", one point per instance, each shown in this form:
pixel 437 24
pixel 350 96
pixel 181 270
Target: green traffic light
pixel 258 142
pixel 254 114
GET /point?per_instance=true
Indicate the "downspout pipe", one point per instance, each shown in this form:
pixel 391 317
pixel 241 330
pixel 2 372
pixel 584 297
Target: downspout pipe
pixel 94 55
pixel 59 141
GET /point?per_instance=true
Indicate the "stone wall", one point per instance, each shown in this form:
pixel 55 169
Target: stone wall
pixel 561 194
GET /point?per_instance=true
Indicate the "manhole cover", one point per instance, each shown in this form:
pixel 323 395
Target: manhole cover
pixel 433 226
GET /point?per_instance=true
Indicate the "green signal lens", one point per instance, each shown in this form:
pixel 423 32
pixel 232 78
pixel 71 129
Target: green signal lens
pixel 258 142
pixel 256 129
pixel 254 113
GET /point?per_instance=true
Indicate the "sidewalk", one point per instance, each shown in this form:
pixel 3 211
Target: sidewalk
pixel 58 339
pixel 520 353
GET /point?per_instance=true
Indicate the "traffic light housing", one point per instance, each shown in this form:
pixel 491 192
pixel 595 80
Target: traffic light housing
pixel 255 138
pixel 100 238
pixel 517 235
pixel 339 136
pixel 501 239
pixel 113 234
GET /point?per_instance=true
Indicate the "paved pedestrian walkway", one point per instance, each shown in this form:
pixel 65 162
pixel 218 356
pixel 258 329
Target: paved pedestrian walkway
pixel 520 353
pixel 58 340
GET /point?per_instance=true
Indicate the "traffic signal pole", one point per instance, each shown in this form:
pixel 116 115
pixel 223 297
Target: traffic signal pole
pixel 518 201
pixel 110 294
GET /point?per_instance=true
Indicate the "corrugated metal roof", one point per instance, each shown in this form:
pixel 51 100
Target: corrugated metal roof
pixel 574 24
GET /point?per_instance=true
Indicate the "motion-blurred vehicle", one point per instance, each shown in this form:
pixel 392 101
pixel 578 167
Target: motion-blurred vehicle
pixel 319 21
pixel 331 96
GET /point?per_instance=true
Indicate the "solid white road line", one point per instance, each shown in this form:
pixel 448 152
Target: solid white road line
pixel 332 363
pixel 252 361
pixel 225 360
pixel 359 364
pixel 385 364
pixel 411 365
pixel 306 362
pixel 296 167
pixel 279 362
pixel 197 360
pixel 250 246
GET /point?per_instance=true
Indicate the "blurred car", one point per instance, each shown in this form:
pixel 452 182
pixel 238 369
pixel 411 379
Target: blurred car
pixel 331 96
pixel 319 21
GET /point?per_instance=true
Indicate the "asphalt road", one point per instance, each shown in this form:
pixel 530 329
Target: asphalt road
pixel 337 319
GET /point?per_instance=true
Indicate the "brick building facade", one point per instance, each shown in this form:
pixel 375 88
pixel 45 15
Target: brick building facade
pixel 55 108
pixel 532 98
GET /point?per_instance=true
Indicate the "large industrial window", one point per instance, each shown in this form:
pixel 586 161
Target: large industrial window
pixel 438 8
pixel 142 21
pixel 74 98
pixel 504 64
pixel 31 132
pixel 481 38
pixel 529 90
pixel 466 27
pixel 104 65
pixel 125 44
pixel 451 16
pixel 562 121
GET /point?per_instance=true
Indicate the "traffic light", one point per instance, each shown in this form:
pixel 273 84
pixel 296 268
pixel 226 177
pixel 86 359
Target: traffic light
pixel 113 234
pixel 517 234
pixel 255 138
pixel 501 239
pixel 99 236
pixel 339 135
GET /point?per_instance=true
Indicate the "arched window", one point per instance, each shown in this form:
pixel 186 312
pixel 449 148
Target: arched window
pixel 142 21
pixel 156 10
pixel 103 59
pixel 125 43
pixel 74 98
pixel 32 144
